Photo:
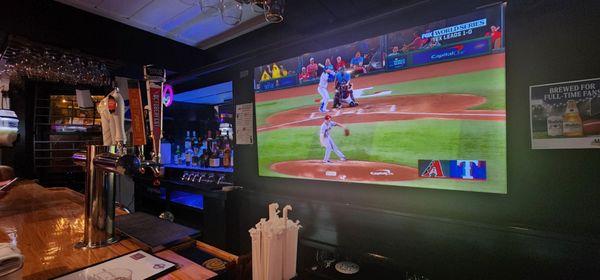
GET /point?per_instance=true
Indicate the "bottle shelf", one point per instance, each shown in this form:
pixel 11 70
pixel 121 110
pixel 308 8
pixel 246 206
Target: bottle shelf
pixel 197 168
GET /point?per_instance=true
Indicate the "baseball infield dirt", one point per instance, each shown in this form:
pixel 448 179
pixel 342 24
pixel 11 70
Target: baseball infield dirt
pixel 391 108
pixel 356 171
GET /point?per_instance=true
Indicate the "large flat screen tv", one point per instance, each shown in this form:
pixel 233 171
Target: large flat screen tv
pixel 422 107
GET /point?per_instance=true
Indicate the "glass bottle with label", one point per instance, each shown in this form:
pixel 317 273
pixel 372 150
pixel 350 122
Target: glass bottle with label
pixel 177 159
pixel 188 141
pixel 195 158
pixel 195 143
pixel 572 123
pixel 554 123
pixel 204 158
pixel 188 157
pixel 227 156
pixel 214 160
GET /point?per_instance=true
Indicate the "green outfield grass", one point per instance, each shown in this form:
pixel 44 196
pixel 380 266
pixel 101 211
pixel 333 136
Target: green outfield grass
pixel 487 83
pixel 400 142
pixel 490 84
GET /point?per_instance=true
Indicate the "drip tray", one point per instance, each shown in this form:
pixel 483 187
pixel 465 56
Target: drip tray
pixel 152 232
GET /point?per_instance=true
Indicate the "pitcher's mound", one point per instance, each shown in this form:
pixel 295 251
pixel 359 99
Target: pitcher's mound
pixel 351 170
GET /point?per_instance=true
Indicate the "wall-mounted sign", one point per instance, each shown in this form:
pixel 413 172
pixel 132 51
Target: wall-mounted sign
pixel 565 115
pixel 244 124
pixel 167 95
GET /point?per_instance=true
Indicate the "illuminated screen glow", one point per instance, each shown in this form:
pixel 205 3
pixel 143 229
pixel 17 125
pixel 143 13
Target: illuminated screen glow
pixel 426 109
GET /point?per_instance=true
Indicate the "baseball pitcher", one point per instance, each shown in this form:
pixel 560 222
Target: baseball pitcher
pixel 327 141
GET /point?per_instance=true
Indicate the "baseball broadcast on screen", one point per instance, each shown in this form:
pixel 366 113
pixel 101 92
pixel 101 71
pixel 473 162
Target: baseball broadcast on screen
pixel 423 107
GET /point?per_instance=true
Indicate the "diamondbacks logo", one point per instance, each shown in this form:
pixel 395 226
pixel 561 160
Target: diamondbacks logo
pixel 433 170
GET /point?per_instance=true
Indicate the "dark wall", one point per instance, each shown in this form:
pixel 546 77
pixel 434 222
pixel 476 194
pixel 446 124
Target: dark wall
pixel 547 222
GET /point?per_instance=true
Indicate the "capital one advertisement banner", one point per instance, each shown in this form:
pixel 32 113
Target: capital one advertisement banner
pixel 565 115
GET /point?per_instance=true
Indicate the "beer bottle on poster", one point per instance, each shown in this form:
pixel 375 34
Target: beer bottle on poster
pixel 572 123
pixel 554 123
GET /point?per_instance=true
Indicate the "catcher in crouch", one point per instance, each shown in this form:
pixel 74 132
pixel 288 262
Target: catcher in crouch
pixel 343 90
pixel 327 141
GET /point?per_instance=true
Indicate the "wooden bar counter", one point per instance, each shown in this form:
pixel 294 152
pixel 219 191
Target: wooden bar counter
pixel 47 223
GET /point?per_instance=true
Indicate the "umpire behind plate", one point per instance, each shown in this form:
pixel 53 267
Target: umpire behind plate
pixel 343 89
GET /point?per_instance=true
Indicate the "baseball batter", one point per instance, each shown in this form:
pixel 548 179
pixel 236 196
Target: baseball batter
pixel 322 89
pixel 327 141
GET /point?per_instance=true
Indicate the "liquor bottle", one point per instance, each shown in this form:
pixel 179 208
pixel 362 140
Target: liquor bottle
pixel 204 158
pixel 209 141
pixel 188 141
pixel 204 145
pixel 214 160
pixel 195 158
pixel 227 156
pixel 195 147
pixel 177 159
pixel 572 123
pixel 220 143
pixel 188 157
pixel 220 156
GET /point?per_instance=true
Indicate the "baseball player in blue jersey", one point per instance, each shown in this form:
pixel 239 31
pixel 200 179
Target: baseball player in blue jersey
pixel 322 89
pixel 327 141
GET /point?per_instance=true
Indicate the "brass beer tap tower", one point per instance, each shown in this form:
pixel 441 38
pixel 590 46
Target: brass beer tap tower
pixel 103 163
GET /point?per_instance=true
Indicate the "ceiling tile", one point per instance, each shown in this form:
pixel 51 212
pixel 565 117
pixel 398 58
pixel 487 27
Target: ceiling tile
pixel 87 4
pixel 91 3
pixel 180 20
pixel 205 29
pixel 190 15
pixel 159 11
pixel 123 8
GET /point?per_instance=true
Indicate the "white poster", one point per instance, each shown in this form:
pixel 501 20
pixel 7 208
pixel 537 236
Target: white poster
pixel 244 124
pixel 565 115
